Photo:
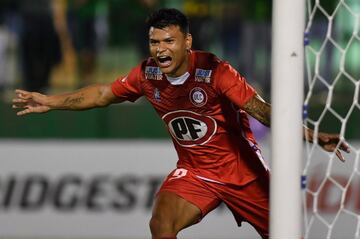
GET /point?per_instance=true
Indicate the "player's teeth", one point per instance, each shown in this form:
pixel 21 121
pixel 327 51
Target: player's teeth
pixel 163 59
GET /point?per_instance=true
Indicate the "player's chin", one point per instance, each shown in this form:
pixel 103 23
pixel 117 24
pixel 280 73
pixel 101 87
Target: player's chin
pixel 167 70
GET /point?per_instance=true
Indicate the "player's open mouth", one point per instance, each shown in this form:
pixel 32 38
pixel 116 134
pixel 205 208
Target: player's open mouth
pixel 164 61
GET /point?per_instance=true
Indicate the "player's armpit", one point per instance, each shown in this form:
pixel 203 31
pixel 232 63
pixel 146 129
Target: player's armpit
pixel 259 109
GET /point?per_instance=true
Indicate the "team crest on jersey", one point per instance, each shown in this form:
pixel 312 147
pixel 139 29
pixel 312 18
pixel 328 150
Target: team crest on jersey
pixel 153 73
pixel 189 128
pixel 202 75
pixel 198 97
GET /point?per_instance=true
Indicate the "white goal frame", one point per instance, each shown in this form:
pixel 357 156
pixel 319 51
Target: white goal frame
pixel 286 120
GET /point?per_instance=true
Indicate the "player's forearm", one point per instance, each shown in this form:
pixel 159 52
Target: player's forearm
pixel 86 98
pixel 265 118
pixel 259 109
pixel 264 115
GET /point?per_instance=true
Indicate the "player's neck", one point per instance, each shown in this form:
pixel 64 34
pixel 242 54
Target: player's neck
pixel 178 80
pixel 183 68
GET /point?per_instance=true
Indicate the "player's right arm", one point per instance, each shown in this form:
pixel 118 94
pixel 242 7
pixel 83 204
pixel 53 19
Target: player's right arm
pixel 97 95
pixel 236 89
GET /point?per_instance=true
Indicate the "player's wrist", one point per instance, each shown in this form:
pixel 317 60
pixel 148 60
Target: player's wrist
pixel 52 102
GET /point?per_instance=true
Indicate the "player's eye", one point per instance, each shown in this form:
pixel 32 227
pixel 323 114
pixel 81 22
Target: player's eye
pixel 154 43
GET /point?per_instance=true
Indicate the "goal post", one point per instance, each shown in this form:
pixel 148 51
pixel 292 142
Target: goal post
pixel 331 198
pixel 286 121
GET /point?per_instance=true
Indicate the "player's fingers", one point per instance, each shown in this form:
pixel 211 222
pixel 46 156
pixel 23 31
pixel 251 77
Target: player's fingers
pixel 23 112
pixel 340 156
pixel 18 106
pixel 23 92
pixel 345 147
pixel 18 100
pixel 27 109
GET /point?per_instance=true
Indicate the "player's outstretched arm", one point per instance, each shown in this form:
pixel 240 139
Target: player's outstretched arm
pixel 98 95
pixel 261 110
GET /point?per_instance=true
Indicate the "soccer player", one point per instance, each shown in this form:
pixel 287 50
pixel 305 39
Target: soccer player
pixel 204 103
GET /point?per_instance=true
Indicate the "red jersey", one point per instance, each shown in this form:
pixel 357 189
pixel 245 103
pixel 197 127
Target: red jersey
pixel 210 131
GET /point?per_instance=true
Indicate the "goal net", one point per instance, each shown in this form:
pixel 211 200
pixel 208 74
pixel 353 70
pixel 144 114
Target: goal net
pixel 331 189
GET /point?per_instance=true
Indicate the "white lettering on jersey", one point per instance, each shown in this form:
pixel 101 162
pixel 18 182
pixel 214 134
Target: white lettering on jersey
pixel 189 128
pixel 153 73
pixel 202 75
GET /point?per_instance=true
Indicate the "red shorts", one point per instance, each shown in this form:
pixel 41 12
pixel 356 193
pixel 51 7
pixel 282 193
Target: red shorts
pixel 248 203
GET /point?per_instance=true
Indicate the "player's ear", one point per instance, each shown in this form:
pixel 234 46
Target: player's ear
pixel 188 41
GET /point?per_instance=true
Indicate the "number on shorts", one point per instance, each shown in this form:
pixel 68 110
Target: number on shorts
pixel 180 172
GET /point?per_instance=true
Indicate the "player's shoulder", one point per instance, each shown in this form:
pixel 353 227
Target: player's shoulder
pixel 209 65
pixel 205 65
pixel 206 59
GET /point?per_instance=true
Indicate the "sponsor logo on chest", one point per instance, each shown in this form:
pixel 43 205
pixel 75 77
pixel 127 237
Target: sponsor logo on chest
pixel 190 129
pixel 202 75
pixel 153 73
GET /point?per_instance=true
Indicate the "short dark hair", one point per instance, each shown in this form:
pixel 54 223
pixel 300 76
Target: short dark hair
pixel 165 17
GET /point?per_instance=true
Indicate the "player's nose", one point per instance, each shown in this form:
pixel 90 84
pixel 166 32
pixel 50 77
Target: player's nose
pixel 161 48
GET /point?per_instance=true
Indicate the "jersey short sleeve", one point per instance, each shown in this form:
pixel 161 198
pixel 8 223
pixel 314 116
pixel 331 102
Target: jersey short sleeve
pixel 128 87
pixel 230 83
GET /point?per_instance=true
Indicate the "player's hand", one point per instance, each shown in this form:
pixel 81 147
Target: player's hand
pixel 29 102
pixel 331 143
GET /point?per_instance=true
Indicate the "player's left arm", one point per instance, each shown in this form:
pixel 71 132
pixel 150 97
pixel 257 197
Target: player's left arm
pixel 258 108
pixel 261 110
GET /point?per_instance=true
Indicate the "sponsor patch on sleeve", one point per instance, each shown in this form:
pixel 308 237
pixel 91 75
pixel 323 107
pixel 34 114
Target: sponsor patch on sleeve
pixel 202 75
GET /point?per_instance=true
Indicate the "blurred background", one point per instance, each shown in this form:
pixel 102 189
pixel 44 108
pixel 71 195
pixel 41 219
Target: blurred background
pixel 93 174
pixel 55 46
pixel 60 45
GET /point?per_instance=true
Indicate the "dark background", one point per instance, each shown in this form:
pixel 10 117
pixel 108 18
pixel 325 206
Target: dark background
pixel 58 46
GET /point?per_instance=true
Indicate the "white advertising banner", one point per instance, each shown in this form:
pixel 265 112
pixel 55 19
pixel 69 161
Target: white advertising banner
pixel 105 189
pixel 96 189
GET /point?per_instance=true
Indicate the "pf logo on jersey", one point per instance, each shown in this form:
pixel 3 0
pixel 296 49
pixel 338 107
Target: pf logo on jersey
pixel 198 97
pixel 189 128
